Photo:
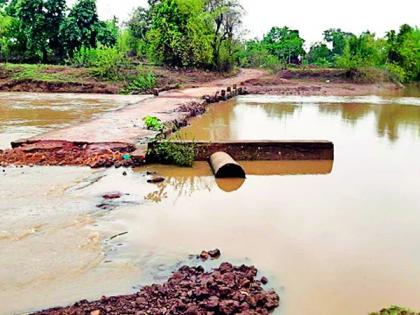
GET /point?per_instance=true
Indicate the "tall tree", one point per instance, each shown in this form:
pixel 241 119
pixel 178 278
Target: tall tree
pixel 337 38
pixel 227 15
pixel 80 28
pixel 54 16
pixel 180 34
pixel 285 44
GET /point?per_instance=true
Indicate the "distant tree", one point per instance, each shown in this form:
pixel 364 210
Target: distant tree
pixel 80 28
pixel 227 17
pixel 337 38
pixel 140 23
pixel 54 16
pixel 362 51
pixel 403 51
pixel 180 34
pixel 108 32
pixel 319 54
pixel 285 44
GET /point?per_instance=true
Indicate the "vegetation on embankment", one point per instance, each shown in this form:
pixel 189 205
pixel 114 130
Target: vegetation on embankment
pixel 132 79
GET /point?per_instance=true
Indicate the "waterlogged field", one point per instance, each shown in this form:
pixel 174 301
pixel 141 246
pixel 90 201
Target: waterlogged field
pixel 333 237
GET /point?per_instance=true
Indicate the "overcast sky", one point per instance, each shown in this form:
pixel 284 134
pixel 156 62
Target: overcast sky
pixel 311 17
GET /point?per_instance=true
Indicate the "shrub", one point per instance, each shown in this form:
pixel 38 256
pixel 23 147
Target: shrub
pixel 396 73
pixel 109 63
pixel 169 152
pixel 143 83
pixel 395 310
pixel 105 62
pixel 153 123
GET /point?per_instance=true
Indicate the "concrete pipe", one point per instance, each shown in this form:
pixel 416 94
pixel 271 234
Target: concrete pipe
pixel 224 166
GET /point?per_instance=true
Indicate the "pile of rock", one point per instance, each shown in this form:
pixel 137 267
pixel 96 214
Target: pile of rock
pixel 189 291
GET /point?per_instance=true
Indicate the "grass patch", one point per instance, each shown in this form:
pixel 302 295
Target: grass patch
pixel 395 310
pixel 45 73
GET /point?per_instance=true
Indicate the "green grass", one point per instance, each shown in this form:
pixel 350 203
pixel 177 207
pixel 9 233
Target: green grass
pixel 45 73
pixel 395 310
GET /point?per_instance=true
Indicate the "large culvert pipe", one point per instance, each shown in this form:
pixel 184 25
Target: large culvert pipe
pixel 224 166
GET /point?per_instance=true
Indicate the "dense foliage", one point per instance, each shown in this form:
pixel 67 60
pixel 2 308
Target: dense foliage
pixel 187 34
pixel 46 31
pixel 398 54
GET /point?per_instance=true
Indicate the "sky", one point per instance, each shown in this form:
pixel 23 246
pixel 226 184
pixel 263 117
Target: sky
pixel 310 17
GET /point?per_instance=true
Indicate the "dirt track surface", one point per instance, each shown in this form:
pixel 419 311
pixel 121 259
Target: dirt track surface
pixel 126 125
pixel 190 291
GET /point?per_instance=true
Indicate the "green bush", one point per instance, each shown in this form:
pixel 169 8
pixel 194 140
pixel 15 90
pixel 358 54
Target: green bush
pixel 169 152
pixel 153 123
pixel 105 62
pixel 395 310
pixel 143 83
pixel 396 73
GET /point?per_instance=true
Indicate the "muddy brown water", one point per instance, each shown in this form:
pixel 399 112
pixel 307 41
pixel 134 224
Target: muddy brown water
pixel 336 237
pixel 23 115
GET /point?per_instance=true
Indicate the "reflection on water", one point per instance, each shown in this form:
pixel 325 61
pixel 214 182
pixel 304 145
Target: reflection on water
pixel 390 119
pixel 248 119
pixel 25 115
pixel 187 181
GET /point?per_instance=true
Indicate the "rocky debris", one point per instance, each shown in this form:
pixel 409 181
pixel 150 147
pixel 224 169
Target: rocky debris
pixel 63 153
pixel 156 179
pixel 225 94
pixel 225 290
pixel 193 109
pixel 213 254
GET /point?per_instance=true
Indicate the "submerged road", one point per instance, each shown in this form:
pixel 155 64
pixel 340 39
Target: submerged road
pixel 126 125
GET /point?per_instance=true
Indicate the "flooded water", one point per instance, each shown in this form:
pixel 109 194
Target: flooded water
pixel 23 115
pixel 336 237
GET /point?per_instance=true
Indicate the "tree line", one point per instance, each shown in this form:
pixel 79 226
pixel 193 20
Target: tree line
pixel 398 53
pixel 189 34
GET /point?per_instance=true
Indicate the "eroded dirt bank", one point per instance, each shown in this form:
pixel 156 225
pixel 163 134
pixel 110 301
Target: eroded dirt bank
pixel 190 290
pixel 316 83
pixel 65 79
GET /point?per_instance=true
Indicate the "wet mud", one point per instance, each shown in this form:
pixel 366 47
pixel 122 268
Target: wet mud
pixel 61 153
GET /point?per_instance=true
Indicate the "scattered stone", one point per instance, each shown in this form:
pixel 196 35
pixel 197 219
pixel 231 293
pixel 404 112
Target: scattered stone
pixel 204 255
pixel 264 280
pixel 156 180
pixel 213 254
pixel 224 291
pixel 114 195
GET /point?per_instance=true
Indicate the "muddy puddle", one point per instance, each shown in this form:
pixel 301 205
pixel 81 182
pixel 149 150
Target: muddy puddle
pixel 23 115
pixel 336 237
